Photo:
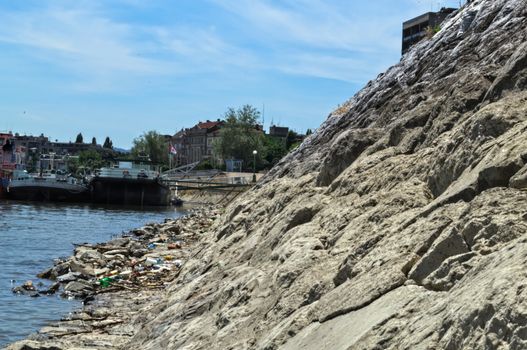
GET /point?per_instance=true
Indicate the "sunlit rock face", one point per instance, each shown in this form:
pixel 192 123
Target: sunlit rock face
pixel 400 224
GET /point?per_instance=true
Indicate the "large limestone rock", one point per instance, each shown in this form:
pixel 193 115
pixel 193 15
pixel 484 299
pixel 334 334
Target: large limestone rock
pixel 400 224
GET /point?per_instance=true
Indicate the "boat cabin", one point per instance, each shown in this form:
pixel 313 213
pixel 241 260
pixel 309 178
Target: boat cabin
pixel 129 170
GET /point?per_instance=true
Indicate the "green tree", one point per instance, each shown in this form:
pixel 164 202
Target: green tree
pixel 107 143
pixel 274 150
pixel 79 138
pixel 94 141
pixel 89 159
pixel 309 132
pixel 292 139
pixel 241 135
pixel 73 165
pixel 152 145
pixel 32 160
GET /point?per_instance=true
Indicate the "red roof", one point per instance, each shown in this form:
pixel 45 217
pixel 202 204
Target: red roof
pixel 209 124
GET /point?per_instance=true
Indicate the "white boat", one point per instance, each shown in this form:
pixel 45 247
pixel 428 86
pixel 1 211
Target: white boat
pixel 46 187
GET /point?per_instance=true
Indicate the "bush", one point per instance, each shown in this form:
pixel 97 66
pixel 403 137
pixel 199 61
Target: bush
pixel 431 31
pixel 205 165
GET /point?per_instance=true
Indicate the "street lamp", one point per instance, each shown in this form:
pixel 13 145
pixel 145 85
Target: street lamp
pixel 52 159
pixel 255 152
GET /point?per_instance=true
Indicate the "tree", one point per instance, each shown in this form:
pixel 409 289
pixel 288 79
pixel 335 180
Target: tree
pixel 309 132
pixel 241 135
pixel 94 141
pixel 32 160
pixel 152 145
pixel 292 139
pixel 107 143
pixel 73 165
pixel 89 159
pixel 79 138
pixel 274 150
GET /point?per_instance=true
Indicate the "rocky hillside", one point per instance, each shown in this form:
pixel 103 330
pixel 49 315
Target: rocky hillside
pixel 400 224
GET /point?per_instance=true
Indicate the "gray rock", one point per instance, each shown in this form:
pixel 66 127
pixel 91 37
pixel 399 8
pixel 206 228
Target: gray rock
pixel 138 253
pixel 120 242
pixel 77 286
pixel 34 345
pixel 78 289
pixel 25 291
pixel 51 290
pixel 519 180
pixel 59 270
pixel 417 237
pixel 116 251
pixel 68 277
pixel 82 268
pixel 400 224
pixel 91 256
pixel 45 274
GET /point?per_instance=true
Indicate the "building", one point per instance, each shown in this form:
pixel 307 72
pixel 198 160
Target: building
pixel 196 144
pixel 42 145
pixel 278 131
pixel 415 30
pixel 180 143
pixel 31 142
pixel 38 152
pixel 10 157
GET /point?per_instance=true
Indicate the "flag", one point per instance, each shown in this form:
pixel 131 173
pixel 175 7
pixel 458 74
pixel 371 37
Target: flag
pixel 172 149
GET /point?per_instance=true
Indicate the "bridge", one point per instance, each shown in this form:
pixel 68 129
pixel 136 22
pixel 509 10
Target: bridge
pixel 223 185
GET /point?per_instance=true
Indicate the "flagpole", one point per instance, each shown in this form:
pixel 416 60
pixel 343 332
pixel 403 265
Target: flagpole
pixel 169 157
pixel 171 152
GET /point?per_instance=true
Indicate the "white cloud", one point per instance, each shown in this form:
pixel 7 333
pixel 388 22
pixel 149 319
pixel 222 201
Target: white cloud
pixel 96 50
pixel 320 38
pixel 323 66
pixel 201 49
pixel 315 23
pixel 106 54
pixel 303 37
pixel 76 37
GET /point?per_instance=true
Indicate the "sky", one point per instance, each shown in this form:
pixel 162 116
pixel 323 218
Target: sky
pixel 119 68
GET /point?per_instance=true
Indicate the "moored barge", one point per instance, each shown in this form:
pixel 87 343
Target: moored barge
pixel 129 184
pixel 46 187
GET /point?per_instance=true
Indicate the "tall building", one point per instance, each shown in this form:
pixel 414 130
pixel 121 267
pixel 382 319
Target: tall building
pixel 278 131
pixel 197 143
pixel 414 30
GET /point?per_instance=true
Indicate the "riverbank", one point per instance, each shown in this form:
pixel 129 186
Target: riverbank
pixel 208 198
pixel 117 281
pixel 34 234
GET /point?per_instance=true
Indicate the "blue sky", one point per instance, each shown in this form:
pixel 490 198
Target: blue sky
pixel 121 67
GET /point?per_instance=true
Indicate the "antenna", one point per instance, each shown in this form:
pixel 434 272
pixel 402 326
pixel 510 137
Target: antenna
pixel 263 116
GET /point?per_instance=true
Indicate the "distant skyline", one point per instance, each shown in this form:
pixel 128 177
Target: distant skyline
pixel 119 68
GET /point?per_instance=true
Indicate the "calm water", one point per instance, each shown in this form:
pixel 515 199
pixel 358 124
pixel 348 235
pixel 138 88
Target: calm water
pixel 32 235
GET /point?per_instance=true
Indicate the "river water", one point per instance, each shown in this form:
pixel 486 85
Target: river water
pixel 33 234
